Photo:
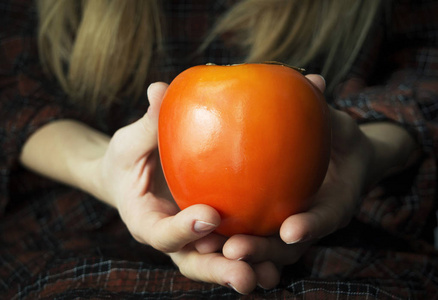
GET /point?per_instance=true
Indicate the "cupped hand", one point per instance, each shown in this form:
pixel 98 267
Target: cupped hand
pixel 334 204
pixel 131 172
pixel 338 199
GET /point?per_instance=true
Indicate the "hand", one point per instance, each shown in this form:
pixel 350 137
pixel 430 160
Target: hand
pixel 360 156
pixel 333 207
pixel 131 174
pixel 134 183
pixel 141 195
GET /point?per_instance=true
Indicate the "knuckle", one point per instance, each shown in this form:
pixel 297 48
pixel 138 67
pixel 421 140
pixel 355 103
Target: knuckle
pixel 160 245
pixel 186 266
pixel 118 142
pixel 183 268
pixel 137 235
pixel 138 238
pixel 152 238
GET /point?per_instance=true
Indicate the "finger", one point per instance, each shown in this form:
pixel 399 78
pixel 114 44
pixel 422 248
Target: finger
pixel 139 139
pixel 268 274
pixel 169 233
pixel 215 268
pixel 317 81
pixel 147 126
pixel 254 249
pixel 155 94
pixel 210 243
pixel 321 220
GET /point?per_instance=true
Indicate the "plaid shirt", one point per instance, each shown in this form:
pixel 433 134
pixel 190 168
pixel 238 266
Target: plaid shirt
pixel 58 242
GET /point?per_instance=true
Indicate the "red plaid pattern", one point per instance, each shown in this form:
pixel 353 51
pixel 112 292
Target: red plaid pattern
pixel 59 243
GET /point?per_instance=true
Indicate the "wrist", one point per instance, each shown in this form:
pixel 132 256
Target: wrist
pixel 392 150
pixel 67 151
pixel 89 179
pixel 89 174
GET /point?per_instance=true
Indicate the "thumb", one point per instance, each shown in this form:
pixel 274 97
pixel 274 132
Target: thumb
pixel 318 81
pixel 331 211
pixel 155 94
pixel 148 124
pixel 139 139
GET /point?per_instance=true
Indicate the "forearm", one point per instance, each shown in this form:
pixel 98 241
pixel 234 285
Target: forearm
pixel 394 149
pixel 67 151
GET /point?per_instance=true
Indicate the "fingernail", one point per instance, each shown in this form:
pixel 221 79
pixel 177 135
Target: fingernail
pixel 261 286
pixel 202 227
pixel 301 240
pixel 231 286
pixel 323 79
pixel 245 258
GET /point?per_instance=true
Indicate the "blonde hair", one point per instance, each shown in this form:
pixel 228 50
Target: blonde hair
pixel 98 50
pixel 101 49
pixel 298 32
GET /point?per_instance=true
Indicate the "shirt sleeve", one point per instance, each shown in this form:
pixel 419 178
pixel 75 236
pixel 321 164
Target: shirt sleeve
pixel 403 89
pixel 408 98
pixel 28 99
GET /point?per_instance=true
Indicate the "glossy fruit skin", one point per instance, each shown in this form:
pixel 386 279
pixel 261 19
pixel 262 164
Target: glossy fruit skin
pixel 250 140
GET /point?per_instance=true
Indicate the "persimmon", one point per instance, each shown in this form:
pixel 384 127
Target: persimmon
pixel 250 140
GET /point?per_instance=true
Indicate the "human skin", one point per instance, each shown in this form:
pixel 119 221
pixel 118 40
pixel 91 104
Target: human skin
pixel 124 172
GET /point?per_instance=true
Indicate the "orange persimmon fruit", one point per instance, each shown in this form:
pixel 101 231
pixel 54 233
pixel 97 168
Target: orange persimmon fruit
pixel 250 140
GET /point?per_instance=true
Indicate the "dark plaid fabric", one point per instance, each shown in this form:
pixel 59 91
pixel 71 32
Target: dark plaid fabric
pixel 59 243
